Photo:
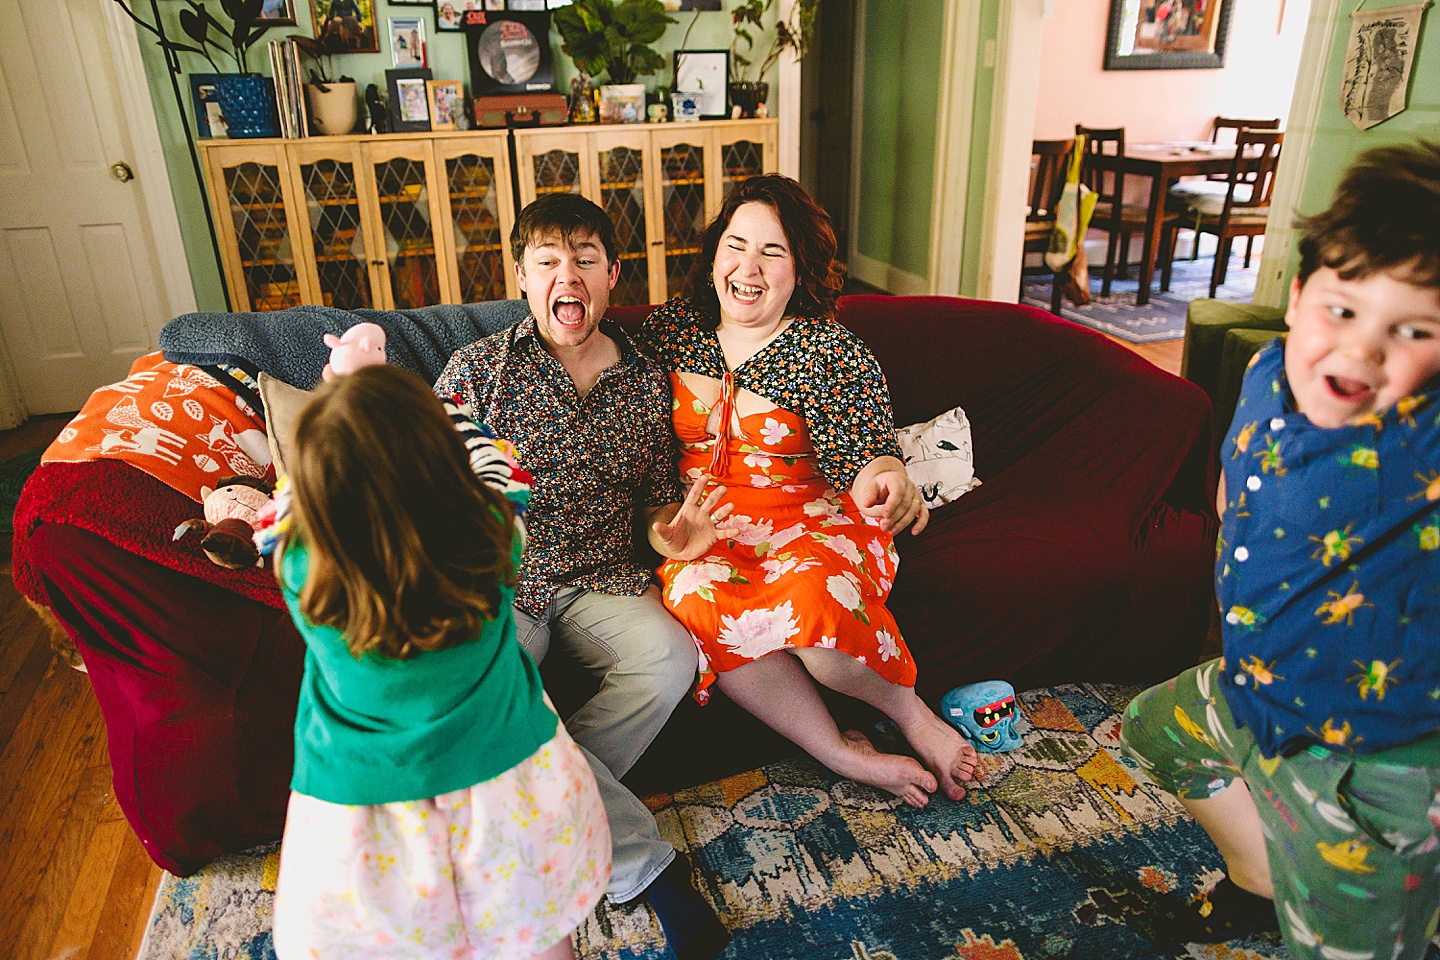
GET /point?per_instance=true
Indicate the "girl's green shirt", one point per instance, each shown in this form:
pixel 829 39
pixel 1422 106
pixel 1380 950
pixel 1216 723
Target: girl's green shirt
pixel 374 730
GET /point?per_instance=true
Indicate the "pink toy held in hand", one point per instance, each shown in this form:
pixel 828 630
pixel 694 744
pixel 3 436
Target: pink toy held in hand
pixel 363 345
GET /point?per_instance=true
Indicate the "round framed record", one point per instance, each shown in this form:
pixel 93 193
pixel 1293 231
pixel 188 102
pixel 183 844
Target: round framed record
pixel 509 52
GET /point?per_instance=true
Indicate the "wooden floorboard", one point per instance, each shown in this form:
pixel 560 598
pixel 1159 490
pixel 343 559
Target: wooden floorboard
pixel 74 881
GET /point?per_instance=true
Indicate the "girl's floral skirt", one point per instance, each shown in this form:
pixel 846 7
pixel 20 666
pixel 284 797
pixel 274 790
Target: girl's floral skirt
pixel 503 869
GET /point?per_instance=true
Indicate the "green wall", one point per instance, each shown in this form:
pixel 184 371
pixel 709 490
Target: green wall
pixel 712 31
pixel 971 254
pixel 896 151
pixel 1337 142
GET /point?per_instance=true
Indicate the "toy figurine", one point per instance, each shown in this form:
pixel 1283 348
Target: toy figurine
pixel 984 713
pixel 378 114
pixel 362 345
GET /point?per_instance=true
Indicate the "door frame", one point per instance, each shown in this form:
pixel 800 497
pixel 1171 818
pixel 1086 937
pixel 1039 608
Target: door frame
pixel 1012 128
pixel 152 175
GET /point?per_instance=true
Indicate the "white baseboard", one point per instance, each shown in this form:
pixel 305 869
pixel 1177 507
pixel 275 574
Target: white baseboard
pixel 885 277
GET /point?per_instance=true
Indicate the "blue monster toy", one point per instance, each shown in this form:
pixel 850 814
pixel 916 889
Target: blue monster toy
pixel 985 714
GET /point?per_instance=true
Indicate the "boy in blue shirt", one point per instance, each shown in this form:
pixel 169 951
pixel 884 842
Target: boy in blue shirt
pixel 1310 752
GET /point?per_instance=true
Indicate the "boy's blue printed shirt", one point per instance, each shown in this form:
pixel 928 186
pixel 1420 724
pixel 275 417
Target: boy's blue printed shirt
pixel 1328 570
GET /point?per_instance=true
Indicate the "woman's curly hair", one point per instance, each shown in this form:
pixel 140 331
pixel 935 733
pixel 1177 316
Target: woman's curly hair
pixel 818 275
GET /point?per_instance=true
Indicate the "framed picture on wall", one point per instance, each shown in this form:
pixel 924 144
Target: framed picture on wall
pixel 509 53
pixel 407 42
pixel 409 99
pixel 704 72
pixel 353 21
pixel 412 3
pixel 449 16
pixel 278 13
pixel 1167 34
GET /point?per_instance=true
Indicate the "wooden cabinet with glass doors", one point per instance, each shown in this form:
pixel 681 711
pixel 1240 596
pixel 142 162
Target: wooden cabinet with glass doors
pixel 391 222
pixel 661 184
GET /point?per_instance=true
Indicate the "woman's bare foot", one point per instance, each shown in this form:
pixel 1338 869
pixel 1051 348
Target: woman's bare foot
pixel 901 776
pixel 946 754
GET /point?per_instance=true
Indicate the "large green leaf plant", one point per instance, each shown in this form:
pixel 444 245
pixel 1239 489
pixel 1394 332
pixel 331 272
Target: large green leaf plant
pixel 604 37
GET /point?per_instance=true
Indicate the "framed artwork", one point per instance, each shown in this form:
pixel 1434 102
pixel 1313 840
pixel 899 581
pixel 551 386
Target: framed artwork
pixel 407 42
pixel 447 103
pixel 450 15
pixel 704 72
pixel 208 121
pixel 278 13
pixel 509 52
pixel 353 21
pixel 409 99
pixel 524 4
pixel 1167 34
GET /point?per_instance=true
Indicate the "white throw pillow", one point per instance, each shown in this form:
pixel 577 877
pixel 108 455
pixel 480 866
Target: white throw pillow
pixel 940 457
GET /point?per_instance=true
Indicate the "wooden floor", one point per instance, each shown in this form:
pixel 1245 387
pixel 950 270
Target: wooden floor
pixel 74 881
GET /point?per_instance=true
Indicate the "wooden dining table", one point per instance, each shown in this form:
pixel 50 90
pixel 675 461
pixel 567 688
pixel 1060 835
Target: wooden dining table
pixel 1164 163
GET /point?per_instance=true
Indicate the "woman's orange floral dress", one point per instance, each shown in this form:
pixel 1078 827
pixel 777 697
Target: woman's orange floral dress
pixel 804 569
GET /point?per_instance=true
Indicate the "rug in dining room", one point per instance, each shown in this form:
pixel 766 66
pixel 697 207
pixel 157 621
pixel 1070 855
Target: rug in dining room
pixel 1163 318
pixel 1067 851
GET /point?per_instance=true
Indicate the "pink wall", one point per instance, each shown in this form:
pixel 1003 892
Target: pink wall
pixel 1257 80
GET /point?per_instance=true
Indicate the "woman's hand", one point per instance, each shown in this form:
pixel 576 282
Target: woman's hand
pixel 687 530
pixel 884 491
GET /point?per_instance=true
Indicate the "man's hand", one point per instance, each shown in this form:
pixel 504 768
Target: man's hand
pixel 884 491
pixel 687 530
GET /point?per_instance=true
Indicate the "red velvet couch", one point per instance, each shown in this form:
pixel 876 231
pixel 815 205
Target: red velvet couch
pixel 1085 555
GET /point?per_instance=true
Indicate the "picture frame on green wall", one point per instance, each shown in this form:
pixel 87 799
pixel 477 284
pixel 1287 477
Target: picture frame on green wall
pixel 1168 34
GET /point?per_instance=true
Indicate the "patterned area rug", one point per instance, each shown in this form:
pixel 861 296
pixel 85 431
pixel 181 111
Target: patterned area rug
pixel 1066 852
pixel 1163 318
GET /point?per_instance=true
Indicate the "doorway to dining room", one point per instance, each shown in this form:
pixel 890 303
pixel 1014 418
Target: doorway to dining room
pixel 1162 109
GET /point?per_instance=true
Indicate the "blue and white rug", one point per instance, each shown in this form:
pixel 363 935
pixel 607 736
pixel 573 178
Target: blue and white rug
pixel 1163 318
pixel 1066 852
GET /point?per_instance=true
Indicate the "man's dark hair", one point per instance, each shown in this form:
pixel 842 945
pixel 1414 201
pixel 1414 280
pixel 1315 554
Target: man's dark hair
pixel 569 216
pixel 818 275
pixel 1385 216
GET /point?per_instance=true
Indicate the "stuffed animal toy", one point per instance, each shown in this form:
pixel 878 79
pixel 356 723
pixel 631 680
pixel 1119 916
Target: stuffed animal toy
pixel 984 713
pixel 361 346
pixel 228 528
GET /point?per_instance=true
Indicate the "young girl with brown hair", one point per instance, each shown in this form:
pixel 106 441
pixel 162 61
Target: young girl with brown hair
pixel 438 807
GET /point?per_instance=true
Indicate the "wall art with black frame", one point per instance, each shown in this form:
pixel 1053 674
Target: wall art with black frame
pixel 1168 34
pixel 509 53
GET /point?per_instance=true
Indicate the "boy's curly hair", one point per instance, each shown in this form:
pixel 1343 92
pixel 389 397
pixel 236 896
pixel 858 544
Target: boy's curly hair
pixel 1385 216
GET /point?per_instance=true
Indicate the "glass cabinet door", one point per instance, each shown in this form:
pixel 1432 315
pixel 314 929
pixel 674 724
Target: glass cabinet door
pixel 746 149
pixel 683 211
pixel 554 162
pixel 478 205
pixel 622 160
pixel 251 202
pixel 406 221
pixel 327 182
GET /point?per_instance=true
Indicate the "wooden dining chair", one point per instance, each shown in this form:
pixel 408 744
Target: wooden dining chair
pixel 1245 208
pixel 1049 161
pixel 1184 198
pixel 1102 172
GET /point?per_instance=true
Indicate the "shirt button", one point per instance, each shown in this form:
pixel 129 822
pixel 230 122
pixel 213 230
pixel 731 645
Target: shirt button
pixel 1240 679
pixel 1242 554
pixel 1252 484
pixel 1277 424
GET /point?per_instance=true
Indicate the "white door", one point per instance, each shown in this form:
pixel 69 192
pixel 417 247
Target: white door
pixel 80 283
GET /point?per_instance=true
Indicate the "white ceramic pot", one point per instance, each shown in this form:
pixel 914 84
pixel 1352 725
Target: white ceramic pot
pixel 333 110
pixel 622 103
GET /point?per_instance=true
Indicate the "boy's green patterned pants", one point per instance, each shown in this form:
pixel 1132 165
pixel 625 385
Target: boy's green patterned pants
pixel 1353 842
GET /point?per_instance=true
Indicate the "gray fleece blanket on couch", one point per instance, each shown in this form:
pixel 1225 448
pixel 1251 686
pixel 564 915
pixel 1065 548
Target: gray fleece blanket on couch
pixel 289 344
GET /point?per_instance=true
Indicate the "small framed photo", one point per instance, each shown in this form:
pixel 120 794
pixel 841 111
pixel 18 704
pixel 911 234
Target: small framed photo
pixel 407 42
pixel 208 121
pixel 409 100
pixel 278 13
pixel 704 72
pixel 447 103
pixel 450 15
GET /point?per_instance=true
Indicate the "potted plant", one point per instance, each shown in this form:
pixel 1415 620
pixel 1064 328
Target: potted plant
pixel 246 98
pixel 750 91
pixel 333 105
pixel 604 37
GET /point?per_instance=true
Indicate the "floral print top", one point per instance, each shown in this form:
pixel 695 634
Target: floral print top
pixel 595 460
pixel 815 369
pixel 1328 570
